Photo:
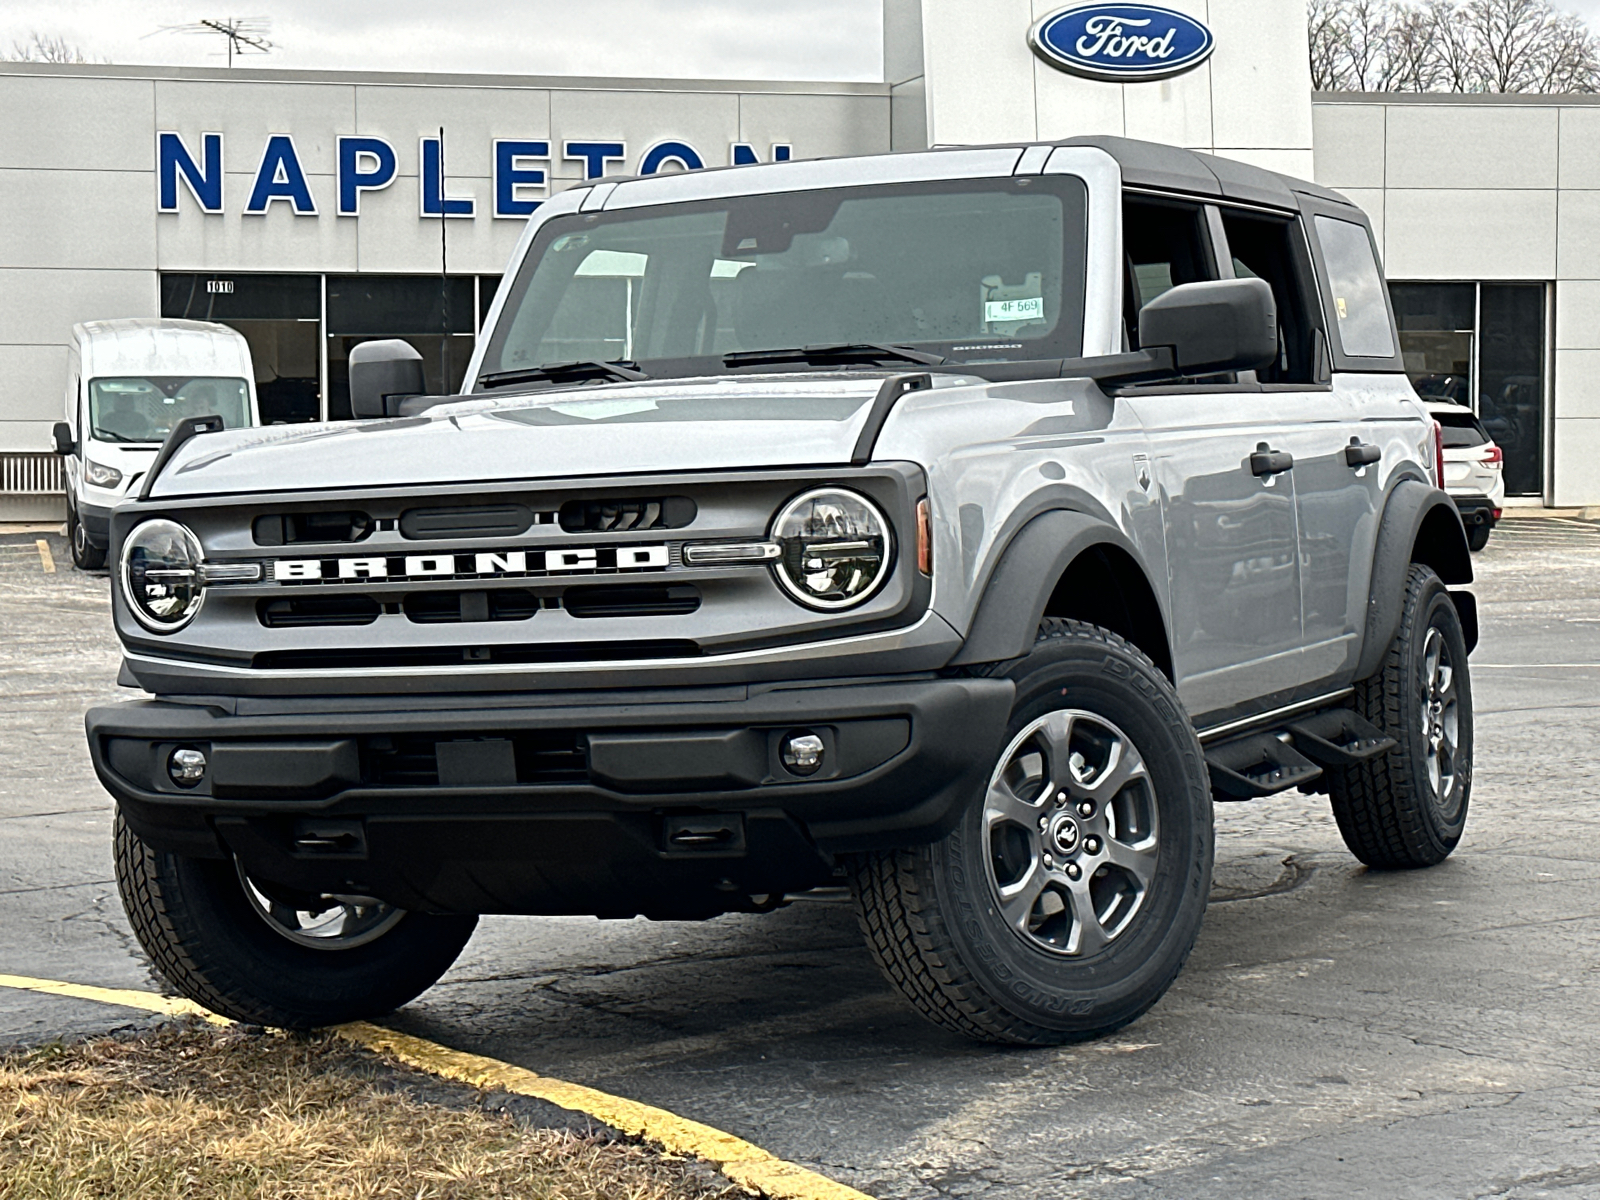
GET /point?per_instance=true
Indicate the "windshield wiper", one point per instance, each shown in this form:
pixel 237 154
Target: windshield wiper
pixel 841 352
pixel 561 372
pixel 107 435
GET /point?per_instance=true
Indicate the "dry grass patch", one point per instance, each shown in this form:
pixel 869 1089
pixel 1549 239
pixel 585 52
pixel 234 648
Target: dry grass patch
pixel 192 1112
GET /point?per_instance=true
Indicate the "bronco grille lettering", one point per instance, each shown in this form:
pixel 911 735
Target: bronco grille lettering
pixel 503 563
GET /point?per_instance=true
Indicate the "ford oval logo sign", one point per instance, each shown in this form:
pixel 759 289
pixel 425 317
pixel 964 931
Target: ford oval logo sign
pixel 1125 43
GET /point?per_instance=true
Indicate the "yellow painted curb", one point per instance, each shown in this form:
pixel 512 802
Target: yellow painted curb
pixel 736 1158
pixel 148 1001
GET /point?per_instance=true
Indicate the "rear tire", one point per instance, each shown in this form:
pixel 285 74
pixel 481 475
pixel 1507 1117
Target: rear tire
pixel 1408 807
pixel 1478 535
pixel 1067 898
pixel 86 556
pixel 212 942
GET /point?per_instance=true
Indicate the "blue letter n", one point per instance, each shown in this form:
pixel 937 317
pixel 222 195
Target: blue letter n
pixel 173 159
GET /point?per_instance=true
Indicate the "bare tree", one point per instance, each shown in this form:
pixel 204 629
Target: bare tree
pixel 1455 50
pixel 1326 24
pixel 1413 57
pixel 44 48
pixel 1450 46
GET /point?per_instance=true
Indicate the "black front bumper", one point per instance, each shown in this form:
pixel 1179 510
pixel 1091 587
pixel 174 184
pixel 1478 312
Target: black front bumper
pixel 669 802
pixel 96 522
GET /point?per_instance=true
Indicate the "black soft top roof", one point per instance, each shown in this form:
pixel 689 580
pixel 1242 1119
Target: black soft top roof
pixel 1173 169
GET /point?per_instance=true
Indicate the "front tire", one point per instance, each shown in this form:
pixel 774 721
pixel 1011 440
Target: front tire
pixel 218 938
pixel 86 556
pixel 1408 807
pixel 1065 901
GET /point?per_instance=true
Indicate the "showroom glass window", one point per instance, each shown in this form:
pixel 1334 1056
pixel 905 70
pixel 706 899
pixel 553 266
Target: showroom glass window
pixel 1482 345
pixel 278 315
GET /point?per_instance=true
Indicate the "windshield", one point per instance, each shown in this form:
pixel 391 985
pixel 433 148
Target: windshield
pixel 976 270
pixel 144 408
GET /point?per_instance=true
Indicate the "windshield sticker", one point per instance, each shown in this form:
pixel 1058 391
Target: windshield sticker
pixel 1030 308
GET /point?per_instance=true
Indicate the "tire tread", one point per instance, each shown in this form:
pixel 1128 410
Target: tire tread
pixel 1380 804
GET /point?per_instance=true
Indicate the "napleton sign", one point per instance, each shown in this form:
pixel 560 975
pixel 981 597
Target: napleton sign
pixel 370 164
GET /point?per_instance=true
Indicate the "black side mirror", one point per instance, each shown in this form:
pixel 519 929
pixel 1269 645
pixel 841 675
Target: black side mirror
pixel 61 434
pixel 1224 325
pixel 382 374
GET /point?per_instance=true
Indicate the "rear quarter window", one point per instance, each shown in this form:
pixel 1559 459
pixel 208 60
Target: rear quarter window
pixel 1360 308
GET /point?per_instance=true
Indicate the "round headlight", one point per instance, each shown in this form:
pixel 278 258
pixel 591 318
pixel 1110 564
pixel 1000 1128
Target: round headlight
pixel 835 548
pixel 161 575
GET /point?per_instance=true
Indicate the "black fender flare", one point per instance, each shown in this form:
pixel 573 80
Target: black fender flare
pixel 1006 622
pixel 1411 505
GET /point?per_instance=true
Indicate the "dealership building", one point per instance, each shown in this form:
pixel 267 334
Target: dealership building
pixel 312 210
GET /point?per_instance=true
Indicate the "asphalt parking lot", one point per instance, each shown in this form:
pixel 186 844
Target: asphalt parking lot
pixel 1337 1033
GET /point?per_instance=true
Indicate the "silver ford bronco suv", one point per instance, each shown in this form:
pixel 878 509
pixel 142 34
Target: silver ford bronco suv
pixel 956 526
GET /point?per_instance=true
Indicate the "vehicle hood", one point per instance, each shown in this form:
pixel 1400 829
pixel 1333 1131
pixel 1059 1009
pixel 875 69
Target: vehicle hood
pixel 723 423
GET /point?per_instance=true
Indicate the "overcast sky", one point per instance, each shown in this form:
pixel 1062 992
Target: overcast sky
pixel 705 39
pixel 726 39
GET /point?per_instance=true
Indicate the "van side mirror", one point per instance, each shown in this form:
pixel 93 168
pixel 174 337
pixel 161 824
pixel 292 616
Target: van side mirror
pixel 61 434
pixel 382 374
pixel 1222 325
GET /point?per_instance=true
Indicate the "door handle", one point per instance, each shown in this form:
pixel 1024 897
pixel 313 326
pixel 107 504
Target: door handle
pixel 1361 454
pixel 1267 462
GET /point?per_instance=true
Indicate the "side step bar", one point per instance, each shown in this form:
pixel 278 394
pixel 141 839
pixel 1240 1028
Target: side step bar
pixel 1292 755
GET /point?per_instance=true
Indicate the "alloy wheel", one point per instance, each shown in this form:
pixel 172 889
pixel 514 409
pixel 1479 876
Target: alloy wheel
pixel 1072 833
pixel 327 922
pixel 1441 718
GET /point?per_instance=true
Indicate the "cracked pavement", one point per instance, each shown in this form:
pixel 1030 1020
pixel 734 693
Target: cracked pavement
pixel 1336 1033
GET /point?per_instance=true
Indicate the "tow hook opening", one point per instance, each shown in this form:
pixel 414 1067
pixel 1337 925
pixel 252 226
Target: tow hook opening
pixel 330 839
pixel 702 833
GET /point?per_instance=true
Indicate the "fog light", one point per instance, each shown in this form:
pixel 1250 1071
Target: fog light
pixel 802 753
pixel 187 767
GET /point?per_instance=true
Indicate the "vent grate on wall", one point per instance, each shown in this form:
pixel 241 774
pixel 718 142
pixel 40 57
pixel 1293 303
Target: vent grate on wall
pixel 23 474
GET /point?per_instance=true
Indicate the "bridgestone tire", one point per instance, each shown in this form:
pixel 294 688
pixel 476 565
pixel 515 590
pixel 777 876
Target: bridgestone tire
pixel 193 919
pixel 931 914
pixel 86 556
pixel 1389 811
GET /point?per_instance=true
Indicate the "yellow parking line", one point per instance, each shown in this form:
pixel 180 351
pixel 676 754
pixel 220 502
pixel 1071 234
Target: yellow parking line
pixel 47 562
pixel 736 1158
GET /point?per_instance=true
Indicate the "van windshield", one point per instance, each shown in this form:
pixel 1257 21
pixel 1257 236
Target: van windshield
pixel 974 270
pixel 144 408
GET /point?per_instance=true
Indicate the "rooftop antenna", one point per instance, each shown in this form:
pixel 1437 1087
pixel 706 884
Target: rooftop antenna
pixel 244 35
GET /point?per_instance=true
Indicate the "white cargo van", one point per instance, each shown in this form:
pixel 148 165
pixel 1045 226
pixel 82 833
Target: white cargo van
pixel 128 382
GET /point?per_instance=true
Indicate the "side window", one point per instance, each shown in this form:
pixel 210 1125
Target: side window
pixel 1360 309
pixel 1165 245
pixel 1273 248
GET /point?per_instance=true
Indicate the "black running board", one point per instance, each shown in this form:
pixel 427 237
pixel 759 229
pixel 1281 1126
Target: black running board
pixel 1292 755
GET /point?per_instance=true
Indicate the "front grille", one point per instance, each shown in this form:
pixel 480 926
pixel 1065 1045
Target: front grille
pixel 432 581
pixel 412 760
pixel 446 656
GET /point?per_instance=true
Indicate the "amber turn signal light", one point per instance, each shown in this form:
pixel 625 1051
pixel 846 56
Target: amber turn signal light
pixel 924 538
